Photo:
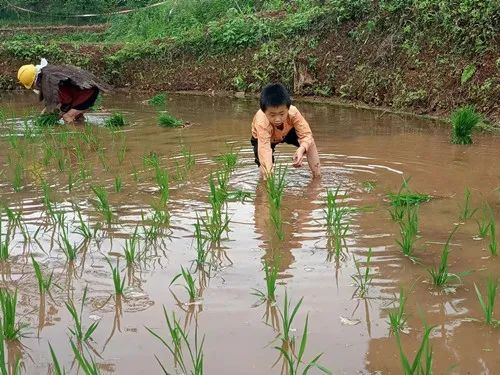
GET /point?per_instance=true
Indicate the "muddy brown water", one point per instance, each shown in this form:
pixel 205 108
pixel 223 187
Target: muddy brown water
pixel 355 146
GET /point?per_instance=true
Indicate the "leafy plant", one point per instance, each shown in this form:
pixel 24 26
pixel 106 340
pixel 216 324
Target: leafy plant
pixel 488 303
pixel 8 303
pixel 271 276
pixel 78 331
pixel 397 317
pixel 408 230
pixel 116 120
pixel 422 363
pixel 88 367
pixel 45 120
pixel 440 275
pixel 468 73
pixel 57 367
pixel 103 202
pixel 363 279
pixel 492 246
pixel 118 184
pixel 463 121
pixel 189 283
pixel 406 197
pixel 43 282
pixel 466 212
pixel 167 120
pixel 158 100
pixel 118 282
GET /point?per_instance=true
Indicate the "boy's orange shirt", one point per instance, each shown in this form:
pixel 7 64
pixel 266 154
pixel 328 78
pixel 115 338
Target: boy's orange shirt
pixel 266 133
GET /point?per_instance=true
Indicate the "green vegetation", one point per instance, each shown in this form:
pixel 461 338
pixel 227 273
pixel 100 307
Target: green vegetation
pixel 166 120
pixel 440 275
pixel 118 184
pixel 363 280
pixel 78 331
pixel 118 281
pixel 5 369
pixel 271 275
pixel 44 283
pixel 466 212
pixel 397 317
pixel 88 367
pixel 189 283
pixel 337 221
pixel 422 363
pixel 116 120
pixel 488 303
pixel 10 329
pixel 408 227
pixel 492 246
pixel 406 197
pixel 463 121
pixel 158 100
pixel 103 203
pixel 275 187
pixel 46 119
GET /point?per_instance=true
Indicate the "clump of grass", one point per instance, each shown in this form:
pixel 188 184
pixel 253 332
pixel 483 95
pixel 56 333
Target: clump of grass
pixel 408 230
pixel 337 223
pixel 440 275
pixel 4 243
pixel 103 203
pixel 44 283
pixel 488 304
pixel 130 249
pixel 201 244
pixel 483 225
pixel 83 228
pixel 188 161
pixel 118 282
pixel 466 212
pixel 463 121
pixel 8 303
pixel 18 181
pixel 179 339
pixel 228 160
pixel 116 120
pixel 189 283
pixel 162 179
pixel 166 120
pixel 406 197
pixel 397 317
pixel 363 279
pixel 45 120
pixel 492 246
pixel 158 100
pixel 422 363
pixel 271 276
pixel 118 184
pixel 78 331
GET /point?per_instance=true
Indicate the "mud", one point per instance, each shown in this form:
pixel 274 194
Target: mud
pixel 355 146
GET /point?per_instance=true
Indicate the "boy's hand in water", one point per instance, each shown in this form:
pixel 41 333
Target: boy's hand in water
pixel 297 158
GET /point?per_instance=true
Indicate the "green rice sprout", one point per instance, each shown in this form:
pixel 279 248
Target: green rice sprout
pixel 130 249
pixel 116 120
pixel 188 161
pixel 201 244
pixel 4 244
pixel 103 203
pixel 287 315
pixel 18 181
pixel 215 223
pixel 277 221
pixel 5 369
pixel 275 185
pixel 83 228
pixel 81 334
pixel 45 120
pixel 294 360
pixel 88 367
pixel 58 370
pixel 180 340
pixel 118 282
pixel 166 120
pixel 69 249
pixel 44 283
pixel 271 276
pixel 408 230
pixel 122 151
pixel 488 303
pixel 337 222
pixel 118 184
pixel 422 363
pixel 189 283
pixel 440 275
pixel 483 225
pixel 398 317
pixel 162 180
pixel 363 279
pixel 151 160
pixel 228 160
pixel 158 100
pixel 8 303
pixel 492 246
pixel 463 121
pixel 406 197
pixel 466 212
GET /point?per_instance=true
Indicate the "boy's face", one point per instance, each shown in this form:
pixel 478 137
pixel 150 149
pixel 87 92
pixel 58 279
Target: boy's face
pixel 277 115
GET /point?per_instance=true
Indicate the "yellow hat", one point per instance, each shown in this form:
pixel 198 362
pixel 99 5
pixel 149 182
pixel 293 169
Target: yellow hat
pixel 26 75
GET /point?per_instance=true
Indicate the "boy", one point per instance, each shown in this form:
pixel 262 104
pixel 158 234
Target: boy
pixel 278 121
pixel 65 88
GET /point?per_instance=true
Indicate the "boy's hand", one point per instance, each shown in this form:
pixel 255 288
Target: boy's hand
pixel 297 157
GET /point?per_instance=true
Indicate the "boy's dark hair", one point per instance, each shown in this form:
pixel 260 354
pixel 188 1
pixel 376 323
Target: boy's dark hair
pixel 274 95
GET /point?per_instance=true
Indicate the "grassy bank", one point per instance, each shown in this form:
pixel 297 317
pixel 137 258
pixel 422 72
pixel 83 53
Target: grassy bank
pixel 419 55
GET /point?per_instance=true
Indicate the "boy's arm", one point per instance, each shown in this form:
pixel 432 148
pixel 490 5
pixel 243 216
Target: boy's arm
pixel 302 129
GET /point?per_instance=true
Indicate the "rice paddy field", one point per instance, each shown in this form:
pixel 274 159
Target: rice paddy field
pixel 151 249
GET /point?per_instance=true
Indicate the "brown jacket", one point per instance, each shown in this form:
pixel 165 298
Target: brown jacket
pixel 266 134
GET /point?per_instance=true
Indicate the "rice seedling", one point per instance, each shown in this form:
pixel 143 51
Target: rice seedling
pixel 88 367
pixel 277 221
pixel 228 160
pixel 45 120
pixel 188 161
pixel 118 282
pixel 271 275
pixel 121 153
pixel 466 212
pixel 337 222
pixel 69 249
pixel 166 120
pixel 18 181
pixel 81 334
pixel 83 228
pixel 363 279
pixel 405 197
pixel 97 104
pixel 440 275
pixel 5 369
pixel 287 315
pixel 179 339
pixel 275 185
pixel 4 243
pixel 398 317
pixel 116 120
pixel 463 121
pixel 58 370
pixel 492 246
pixel 422 363
pixel 44 283
pixel 189 283
pixel 48 154
pixel 103 203
pixel 8 303
pixel 215 224
pixel 162 179
pixel 3 117
pixel 295 360
pixel 130 249
pixel 201 244
pixel 118 184
pixel 483 225
pixel 158 100
pixel 408 230
pixel 488 303
pixel 238 195
pixel 151 160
